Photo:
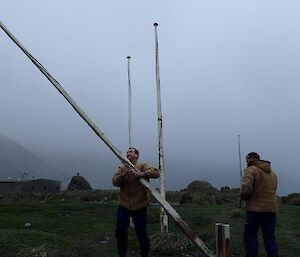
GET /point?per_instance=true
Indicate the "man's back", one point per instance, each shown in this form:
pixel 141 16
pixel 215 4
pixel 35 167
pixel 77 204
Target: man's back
pixel 258 190
pixel 259 186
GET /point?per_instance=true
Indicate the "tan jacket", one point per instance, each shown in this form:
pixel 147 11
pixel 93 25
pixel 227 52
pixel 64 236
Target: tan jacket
pixel 133 195
pixel 258 188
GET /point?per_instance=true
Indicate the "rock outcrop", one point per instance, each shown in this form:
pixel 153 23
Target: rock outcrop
pixel 79 183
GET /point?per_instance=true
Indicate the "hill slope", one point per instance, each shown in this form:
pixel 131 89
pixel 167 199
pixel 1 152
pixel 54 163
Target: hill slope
pixel 16 159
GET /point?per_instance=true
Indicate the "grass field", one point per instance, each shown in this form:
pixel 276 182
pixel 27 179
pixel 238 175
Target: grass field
pixel 82 225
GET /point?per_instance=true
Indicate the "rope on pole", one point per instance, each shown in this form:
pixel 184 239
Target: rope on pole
pixel 186 229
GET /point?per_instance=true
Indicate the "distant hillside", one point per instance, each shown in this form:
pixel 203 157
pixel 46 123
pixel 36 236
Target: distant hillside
pixel 16 159
pixel 203 193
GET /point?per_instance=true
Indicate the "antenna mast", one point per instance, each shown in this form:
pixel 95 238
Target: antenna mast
pixel 240 160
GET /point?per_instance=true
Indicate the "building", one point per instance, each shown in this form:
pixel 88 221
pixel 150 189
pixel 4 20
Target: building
pixel 36 185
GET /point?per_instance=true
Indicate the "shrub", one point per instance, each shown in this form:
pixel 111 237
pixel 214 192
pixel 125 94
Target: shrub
pixel 295 201
pixel 88 196
pixel 170 243
pixel 290 198
pixel 79 183
pixel 35 252
pixel 186 198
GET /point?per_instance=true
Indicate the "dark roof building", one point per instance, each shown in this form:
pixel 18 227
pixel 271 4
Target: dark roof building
pixel 36 185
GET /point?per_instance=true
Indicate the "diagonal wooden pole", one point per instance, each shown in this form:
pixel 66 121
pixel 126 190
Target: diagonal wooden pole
pixel 186 229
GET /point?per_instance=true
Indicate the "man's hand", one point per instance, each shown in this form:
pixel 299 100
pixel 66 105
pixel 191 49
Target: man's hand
pixel 125 174
pixel 242 204
pixel 138 174
pixel 126 171
pixel 129 169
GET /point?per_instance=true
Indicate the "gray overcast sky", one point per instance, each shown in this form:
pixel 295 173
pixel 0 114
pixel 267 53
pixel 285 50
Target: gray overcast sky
pixel 227 68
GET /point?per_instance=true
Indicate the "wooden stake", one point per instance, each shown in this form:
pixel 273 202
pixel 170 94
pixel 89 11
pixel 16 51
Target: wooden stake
pixel 223 244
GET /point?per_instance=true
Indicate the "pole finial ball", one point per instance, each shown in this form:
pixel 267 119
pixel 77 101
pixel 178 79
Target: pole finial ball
pixel 128 57
pixel 155 24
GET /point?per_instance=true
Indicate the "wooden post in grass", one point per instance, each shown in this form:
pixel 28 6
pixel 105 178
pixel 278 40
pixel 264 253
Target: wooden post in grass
pixel 180 222
pixel 223 244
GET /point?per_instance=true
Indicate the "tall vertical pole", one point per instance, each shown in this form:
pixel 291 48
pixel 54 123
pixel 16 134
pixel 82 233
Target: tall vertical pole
pixel 129 102
pixel 129 113
pixel 163 215
pixel 240 160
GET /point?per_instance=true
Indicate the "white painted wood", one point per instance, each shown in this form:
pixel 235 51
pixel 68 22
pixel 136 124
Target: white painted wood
pixel 223 244
pixel 129 103
pixel 163 215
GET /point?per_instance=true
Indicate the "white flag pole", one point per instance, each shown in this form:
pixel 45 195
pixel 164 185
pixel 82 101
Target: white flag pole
pixel 129 114
pixel 163 215
pixel 129 102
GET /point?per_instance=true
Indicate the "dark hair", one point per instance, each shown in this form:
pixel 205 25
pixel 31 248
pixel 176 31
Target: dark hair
pixel 136 151
pixel 253 155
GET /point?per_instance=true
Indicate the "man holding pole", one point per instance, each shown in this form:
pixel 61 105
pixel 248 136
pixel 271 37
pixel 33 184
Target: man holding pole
pixel 133 201
pixel 258 190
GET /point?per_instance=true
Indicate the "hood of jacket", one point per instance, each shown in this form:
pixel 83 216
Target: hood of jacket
pixel 264 165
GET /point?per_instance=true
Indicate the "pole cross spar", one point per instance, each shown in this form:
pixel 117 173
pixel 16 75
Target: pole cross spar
pixel 172 212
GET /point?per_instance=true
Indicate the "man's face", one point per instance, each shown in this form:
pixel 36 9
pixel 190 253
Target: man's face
pixel 249 161
pixel 131 155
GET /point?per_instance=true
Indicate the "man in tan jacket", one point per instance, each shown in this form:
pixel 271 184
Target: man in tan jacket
pixel 258 190
pixel 133 201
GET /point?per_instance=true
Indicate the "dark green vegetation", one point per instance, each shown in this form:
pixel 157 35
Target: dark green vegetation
pixel 81 224
pixel 79 183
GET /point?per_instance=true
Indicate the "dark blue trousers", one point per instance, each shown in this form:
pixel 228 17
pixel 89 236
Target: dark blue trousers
pixel 139 218
pixel 266 221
